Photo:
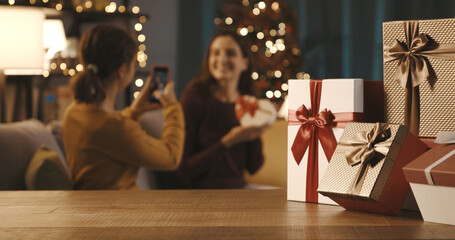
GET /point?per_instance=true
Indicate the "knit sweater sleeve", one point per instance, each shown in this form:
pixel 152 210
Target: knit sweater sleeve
pixel 196 160
pixel 126 141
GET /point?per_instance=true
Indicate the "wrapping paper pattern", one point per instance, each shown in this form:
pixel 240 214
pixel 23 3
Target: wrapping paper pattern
pixel 437 98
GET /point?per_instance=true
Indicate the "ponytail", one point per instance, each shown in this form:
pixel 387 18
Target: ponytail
pixel 102 51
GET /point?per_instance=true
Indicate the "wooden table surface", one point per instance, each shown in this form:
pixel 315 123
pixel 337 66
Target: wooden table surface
pixel 196 214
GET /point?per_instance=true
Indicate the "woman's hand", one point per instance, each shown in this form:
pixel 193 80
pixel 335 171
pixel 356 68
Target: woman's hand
pixel 242 134
pixel 142 103
pixel 168 95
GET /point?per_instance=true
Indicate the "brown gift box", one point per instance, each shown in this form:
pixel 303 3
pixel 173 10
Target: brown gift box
pixel 432 179
pixel 377 186
pixel 421 52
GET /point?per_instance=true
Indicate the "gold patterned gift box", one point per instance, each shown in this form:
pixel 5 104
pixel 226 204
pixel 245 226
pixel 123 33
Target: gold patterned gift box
pixel 419 75
pixel 365 172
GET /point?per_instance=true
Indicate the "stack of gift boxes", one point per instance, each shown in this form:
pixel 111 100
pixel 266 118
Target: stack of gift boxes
pixel 344 149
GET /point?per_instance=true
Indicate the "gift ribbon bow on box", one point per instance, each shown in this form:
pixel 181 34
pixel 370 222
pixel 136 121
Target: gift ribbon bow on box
pixel 316 126
pixel 248 104
pixel 414 68
pixel 367 148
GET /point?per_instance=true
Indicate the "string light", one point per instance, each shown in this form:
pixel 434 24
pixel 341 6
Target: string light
pixel 11 2
pixel 217 21
pixel 255 76
pixel 284 87
pixel 135 9
pixel 278 74
pixel 228 20
pixel 121 9
pixel 136 94
pixel 254 48
pixel 142 19
pixel 244 31
pixel 260 35
pixel 139 82
pixel 46 74
pixel 141 38
pixel 72 72
pixel 261 5
pixel 245 3
pixel 59 6
pixel 138 27
pixel 277 93
pixel 79 67
pixel 88 4
pixel 269 94
pixel 275 6
pixel 63 66
pixel 256 11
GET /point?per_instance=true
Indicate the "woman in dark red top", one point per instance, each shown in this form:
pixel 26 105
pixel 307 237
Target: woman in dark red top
pixel 217 149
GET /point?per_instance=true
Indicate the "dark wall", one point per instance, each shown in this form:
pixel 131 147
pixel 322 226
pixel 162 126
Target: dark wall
pixel 338 38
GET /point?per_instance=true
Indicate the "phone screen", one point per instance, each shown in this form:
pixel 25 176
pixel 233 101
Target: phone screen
pixel 160 76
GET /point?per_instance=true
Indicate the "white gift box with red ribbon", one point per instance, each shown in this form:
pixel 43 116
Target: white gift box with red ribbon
pixel 251 111
pixel 313 135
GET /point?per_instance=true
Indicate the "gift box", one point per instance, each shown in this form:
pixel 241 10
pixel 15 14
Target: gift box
pixel 318 111
pixel 419 68
pixel 251 111
pixel 365 172
pixel 432 179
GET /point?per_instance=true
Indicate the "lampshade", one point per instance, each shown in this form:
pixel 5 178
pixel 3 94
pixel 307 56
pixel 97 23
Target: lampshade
pixel 54 36
pixel 21 41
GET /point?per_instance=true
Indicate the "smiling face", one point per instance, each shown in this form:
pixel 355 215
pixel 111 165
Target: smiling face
pixel 226 62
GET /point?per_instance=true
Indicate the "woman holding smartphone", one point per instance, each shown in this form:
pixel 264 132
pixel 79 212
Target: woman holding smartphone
pixel 105 148
pixel 218 150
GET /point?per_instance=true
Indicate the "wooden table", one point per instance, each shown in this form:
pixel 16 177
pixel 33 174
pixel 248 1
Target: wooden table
pixel 196 214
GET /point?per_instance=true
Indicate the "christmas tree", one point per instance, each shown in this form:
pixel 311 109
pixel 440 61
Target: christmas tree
pixel 270 28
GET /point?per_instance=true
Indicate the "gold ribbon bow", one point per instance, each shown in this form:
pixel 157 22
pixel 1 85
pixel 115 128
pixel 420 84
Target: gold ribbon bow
pixel 367 148
pixel 414 68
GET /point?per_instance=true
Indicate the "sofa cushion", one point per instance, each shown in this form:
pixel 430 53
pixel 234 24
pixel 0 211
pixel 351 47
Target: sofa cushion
pixel 18 142
pixel 46 172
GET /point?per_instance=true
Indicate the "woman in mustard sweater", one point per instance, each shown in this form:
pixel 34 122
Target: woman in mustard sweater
pixel 104 147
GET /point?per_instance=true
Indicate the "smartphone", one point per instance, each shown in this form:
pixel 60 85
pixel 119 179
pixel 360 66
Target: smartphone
pixel 160 77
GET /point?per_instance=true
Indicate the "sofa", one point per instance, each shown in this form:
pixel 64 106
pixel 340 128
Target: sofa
pixel 32 155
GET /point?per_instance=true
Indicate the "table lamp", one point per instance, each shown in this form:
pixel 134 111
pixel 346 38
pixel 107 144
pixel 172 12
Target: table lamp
pixel 21 45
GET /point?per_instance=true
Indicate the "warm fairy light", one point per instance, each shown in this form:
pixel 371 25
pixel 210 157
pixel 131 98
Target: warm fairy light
pixel 268 53
pixel 63 66
pixel 272 32
pixel 11 2
pixel 32 1
pixel 141 38
pixel 273 49
pixel 282 26
pixel 255 76
pixel 296 51
pixel 279 41
pixel 284 87
pixel 139 82
pixel 142 19
pixel 79 67
pixel 254 48
pixel 245 3
pixel 53 66
pixel 269 44
pixel 45 1
pixel 121 9
pixel 260 35
pixel 65 72
pixel 59 6
pixel 141 57
pixel 286 63
pixel 88 4
pixel 281 47
pixel 136 94
pixel 79 9
pixel 46 74
pixel 275 6
pixel 111 7
pixel 142 47
pixel 277 73
pixel 244 31
pixel 306 76
pixel 138 27
pixel 269 94
pixel 277 93
pixel 217 21
pixel 256 11
pixel 135 9
pixel 250 28
pixel 71 72
pixel 261 5
pixel 228 20
pixel 142 64
pixel 281 32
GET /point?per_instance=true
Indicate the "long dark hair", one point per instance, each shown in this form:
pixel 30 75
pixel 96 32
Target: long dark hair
pixel 205 80
pixel 102 50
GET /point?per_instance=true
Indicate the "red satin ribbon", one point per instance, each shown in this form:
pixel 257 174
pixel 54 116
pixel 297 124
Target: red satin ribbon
pixel 314 126
pixel 246 106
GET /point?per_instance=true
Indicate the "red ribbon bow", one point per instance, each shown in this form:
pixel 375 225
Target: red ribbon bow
pixel 249 106
pixel 316 127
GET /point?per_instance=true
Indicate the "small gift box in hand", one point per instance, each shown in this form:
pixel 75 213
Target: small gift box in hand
pixel 251 111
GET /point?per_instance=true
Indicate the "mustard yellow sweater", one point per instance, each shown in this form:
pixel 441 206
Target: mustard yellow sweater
pixel 105 150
